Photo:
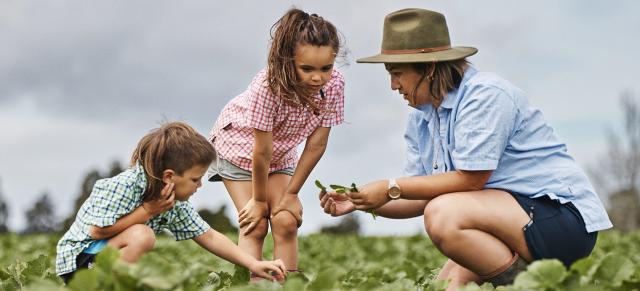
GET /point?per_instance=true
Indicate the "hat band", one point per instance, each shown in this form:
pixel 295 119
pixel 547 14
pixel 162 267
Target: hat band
pixel 416 51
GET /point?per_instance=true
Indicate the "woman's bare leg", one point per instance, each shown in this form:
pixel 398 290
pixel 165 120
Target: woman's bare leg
pixel 478 230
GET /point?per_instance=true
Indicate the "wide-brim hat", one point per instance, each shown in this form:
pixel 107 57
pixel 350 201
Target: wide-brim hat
pixel 416 35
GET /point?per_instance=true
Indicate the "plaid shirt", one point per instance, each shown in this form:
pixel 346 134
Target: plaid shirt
pixel 113 198
pixel 259 108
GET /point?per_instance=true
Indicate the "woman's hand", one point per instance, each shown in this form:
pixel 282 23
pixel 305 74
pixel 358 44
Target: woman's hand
pixel 262 268
pixel 163 203
pixel 289 202
pixel 371 196
pixel 336 204
pixel 251 214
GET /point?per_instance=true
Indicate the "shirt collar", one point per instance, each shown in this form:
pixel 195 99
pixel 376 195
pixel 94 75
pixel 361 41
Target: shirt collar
pixel 450 99
pixel 426 110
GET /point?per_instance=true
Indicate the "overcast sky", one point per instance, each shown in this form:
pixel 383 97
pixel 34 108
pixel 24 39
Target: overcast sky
pixel 82 81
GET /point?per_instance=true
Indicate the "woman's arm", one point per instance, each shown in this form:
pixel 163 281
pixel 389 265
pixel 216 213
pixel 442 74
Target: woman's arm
pixel 374 195
pixel 402 208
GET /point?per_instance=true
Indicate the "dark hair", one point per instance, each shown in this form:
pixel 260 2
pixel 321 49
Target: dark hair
pixel 443 77
pixel 174 145
pixel 293 28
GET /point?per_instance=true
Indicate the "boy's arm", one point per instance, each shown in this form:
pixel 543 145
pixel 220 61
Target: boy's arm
pixel 140 215
pixel 220 245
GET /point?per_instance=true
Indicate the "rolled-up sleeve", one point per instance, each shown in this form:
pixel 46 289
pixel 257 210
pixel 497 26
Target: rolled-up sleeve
pixel 262 104
pixel 484 123
pixel 110 201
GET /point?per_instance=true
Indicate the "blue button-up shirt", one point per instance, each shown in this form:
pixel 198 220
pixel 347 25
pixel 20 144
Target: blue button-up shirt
pixel 487 124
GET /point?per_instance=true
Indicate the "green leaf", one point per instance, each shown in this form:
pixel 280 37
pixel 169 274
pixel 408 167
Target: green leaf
pixel 542 274
pixel 614 269
pixel 84 280
pixel 157 283
pixel 319 185
pixel 325 280
pixel 106 259
pixel 240 276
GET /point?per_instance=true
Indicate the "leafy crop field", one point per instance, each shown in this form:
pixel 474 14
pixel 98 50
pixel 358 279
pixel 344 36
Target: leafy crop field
pixel 329 263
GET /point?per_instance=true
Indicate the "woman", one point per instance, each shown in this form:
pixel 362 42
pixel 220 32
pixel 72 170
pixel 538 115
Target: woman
pixel 496 187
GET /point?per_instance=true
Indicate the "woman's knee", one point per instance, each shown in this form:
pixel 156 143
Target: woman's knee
pixel 440 218
pixel 284 224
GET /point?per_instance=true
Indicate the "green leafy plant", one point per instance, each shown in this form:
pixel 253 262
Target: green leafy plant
pixel 344 190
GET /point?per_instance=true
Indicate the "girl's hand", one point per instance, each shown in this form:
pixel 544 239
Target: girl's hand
pixel 289 202
pixel 371 196
pixel 336 204
pixel 165 202
pixel 251 214
pixel 262 268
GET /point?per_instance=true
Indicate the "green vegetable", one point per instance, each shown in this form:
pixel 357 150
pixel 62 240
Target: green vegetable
pixel 344 190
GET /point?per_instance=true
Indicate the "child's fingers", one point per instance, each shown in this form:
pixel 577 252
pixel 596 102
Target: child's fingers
pixel 327 205
pixel 167 190
pixel 250 228
pixel 243 222
pixel 282 267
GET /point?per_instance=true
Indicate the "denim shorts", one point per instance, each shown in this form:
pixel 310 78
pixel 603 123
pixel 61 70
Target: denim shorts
pixel 555 231
pixel 223 169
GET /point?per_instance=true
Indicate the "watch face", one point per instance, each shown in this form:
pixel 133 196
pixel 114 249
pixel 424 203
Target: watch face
pixel 394 192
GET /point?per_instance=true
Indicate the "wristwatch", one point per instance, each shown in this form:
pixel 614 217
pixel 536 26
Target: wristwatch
pixel 394 191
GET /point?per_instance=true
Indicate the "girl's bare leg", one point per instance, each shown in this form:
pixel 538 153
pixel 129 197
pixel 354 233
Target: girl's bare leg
pixel 241 193
pixel 284 226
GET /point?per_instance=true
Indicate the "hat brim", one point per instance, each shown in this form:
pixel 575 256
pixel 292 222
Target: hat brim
pixel 451 54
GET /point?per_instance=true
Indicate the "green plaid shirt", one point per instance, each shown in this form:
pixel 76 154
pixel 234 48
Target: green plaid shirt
pixel 113 198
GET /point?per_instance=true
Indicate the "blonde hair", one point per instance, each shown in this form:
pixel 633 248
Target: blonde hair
pixel 174 145
pixel 293 28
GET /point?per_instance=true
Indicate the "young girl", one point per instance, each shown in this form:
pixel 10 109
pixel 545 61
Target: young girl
pixel 125 211
pixel 298 96
pixel 496 187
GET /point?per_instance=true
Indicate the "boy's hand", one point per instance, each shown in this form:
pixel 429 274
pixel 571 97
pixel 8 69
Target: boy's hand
pixel 262 268
pixel 165 202
pixel 336 204
pixel 289 202
pixel 370 196
pixel 251 215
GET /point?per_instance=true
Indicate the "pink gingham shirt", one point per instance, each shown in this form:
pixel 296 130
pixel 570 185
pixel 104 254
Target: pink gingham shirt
pixel 257 107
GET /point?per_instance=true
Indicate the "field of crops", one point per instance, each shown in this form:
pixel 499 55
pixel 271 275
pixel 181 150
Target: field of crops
pixel 329 263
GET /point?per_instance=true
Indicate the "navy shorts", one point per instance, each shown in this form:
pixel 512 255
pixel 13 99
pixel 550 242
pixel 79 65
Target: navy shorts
pixel 556 231
pixel 83 261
